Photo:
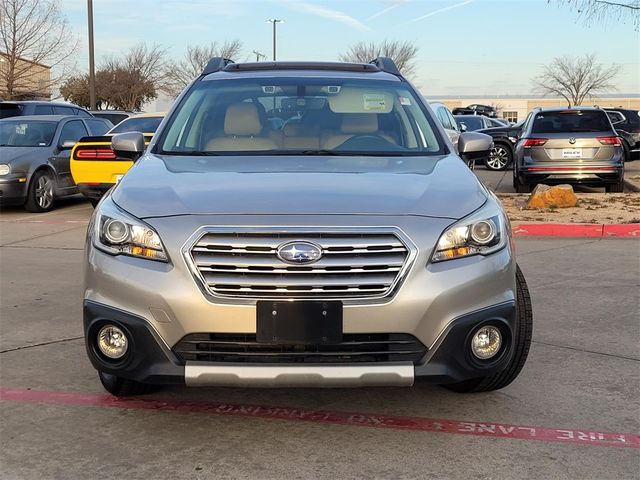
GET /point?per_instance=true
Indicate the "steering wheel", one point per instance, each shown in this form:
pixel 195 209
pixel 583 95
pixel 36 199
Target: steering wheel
pixel 368 143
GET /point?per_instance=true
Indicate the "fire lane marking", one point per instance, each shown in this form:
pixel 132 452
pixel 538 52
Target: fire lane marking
pixel 436 425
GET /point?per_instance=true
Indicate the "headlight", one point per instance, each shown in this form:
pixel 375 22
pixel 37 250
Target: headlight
pixel 5 169
pixel 481 234
pixel 119 233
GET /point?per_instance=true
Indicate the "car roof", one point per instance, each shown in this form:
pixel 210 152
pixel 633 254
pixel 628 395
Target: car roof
pixel 563 109
pixel 43 102
pixel 148 115
pixel 43 118
pixel 112 111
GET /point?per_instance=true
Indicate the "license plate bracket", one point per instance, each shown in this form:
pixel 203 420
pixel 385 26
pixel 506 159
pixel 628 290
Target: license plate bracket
pixel 571 153
pixel 299 322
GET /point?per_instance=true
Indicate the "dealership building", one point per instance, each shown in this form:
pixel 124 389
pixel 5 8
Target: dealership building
pixel 516 107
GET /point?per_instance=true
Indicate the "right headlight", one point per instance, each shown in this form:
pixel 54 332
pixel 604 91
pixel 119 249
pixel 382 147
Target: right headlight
pixel 119 233
pixel 4 169
pixel 482 233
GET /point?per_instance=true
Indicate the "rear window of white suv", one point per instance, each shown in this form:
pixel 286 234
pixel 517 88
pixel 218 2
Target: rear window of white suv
pixel 571 121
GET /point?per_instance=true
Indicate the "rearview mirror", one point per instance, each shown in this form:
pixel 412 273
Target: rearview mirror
pixel 463 127
pixel 66 145
pixel 128 145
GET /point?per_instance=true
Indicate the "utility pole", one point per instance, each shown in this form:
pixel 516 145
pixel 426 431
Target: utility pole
pixel 259 55
pixel 274 21
pixel 92 69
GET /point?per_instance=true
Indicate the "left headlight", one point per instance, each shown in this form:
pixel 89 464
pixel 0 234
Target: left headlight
pixel 118 233
pixel 5 169
pixel 482 233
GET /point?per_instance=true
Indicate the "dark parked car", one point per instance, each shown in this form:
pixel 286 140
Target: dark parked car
pixel 36 107
pixel 114 116
pixel 34 157
pixel 504 144
pixel 627 124
pixel 471 123
pixel 569 145
pixel 476 109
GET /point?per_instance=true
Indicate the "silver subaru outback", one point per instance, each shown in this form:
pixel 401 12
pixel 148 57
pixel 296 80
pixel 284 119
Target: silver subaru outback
pixel 302 224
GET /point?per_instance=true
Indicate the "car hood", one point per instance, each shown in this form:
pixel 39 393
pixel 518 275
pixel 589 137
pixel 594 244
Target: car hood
pixel 160 186
pixel 14 155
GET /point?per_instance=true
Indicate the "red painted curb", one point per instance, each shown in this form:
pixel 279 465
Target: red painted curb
pixel 354 419
pixel 629 230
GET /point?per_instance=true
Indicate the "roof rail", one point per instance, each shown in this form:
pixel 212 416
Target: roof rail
pixel 286 65
pixel 386 65
pixel 216 64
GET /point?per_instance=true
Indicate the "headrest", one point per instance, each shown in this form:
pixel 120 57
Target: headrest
pixel 359 123
pixel 242 119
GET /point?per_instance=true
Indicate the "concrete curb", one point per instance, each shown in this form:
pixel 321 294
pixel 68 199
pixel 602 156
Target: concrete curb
pixel 626 230
pixel 631 185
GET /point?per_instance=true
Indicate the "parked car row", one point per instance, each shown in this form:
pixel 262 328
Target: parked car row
pixel 45 157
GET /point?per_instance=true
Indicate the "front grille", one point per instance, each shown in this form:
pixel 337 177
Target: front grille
pixel 353 265
pixel 354 348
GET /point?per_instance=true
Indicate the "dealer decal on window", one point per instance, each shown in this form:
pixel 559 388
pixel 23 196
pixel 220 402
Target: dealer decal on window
pixel 374 102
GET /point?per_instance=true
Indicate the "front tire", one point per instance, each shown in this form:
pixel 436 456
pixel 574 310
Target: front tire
pixel 523 333
pixel 499 159
pixel 41 193
pixel 122 387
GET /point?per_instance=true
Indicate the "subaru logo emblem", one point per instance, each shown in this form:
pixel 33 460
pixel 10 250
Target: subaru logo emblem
pixel 299 252
pixel 572 140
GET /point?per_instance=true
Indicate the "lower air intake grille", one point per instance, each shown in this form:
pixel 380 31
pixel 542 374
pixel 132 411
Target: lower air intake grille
pixel 354 348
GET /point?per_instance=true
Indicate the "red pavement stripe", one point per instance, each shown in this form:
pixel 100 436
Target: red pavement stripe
pixel 576 230
pixel 438 425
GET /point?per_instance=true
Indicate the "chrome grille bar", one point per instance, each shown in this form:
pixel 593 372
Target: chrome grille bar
pixel 244 264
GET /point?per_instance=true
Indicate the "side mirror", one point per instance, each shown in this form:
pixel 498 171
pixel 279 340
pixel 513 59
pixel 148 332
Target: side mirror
pixel 463 127
pixel 66 145
pixel 473 142
pixel 128 145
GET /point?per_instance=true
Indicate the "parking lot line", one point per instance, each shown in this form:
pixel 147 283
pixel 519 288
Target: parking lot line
pixel 435 425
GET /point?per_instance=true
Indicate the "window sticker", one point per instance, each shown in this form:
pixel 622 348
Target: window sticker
pixel 374 102
pixel 405 101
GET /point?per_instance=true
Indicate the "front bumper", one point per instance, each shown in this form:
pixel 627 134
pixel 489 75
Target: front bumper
pixel 13 189
pixel 164 302
pixel 150 361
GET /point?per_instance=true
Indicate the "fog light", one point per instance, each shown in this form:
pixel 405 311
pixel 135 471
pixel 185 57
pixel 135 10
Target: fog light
pixel 112 342
pixel 486 342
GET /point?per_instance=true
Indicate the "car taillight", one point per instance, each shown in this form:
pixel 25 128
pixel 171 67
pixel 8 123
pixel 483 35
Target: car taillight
pixel 609 141
pixel 95 154
pixel 534 142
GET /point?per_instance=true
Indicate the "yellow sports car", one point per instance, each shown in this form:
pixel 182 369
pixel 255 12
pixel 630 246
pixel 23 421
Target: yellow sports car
pixel 95 167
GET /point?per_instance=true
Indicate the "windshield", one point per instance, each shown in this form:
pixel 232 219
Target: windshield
pixel 141 124
pixel 308 116
pixel 571 121
pixel 18 133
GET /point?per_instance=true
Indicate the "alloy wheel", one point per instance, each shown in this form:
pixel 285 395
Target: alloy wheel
pixel 498 159
pixel 44 192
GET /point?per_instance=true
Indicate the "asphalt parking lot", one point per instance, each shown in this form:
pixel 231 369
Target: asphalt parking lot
pixel 574 412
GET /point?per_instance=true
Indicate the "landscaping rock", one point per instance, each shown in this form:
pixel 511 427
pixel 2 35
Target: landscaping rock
pixel 559 196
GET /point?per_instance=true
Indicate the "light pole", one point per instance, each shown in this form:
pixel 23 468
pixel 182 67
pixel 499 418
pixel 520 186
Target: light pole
pixel 259 55
pixel 274 21
pixel 92 71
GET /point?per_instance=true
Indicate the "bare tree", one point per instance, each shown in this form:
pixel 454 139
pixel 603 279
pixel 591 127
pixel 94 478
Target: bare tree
pixel 575 79
pixel 402 53
pixel 602 10
pixel 33 33
pixel 179 74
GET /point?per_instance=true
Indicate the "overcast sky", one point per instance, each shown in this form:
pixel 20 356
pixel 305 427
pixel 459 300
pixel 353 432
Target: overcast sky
pixel 467 47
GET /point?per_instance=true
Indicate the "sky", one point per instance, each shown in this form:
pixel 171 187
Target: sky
pixel 466 47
